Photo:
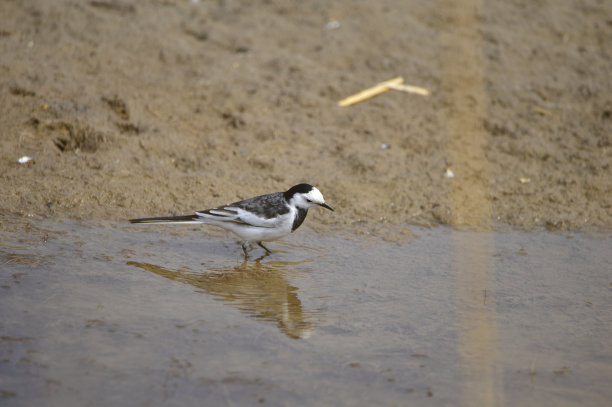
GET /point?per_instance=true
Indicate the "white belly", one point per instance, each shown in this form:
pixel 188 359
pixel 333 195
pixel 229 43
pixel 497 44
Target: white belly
pixel 254 233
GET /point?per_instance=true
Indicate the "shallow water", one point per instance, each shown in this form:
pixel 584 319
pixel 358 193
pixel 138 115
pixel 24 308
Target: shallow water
pixel 123 315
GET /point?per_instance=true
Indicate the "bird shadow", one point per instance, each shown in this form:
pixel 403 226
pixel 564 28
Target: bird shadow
pixel 257 289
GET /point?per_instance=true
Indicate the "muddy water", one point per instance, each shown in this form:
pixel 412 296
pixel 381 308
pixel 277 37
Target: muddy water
pixel 122 315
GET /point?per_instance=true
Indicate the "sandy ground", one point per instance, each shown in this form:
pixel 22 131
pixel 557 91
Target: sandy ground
pixel 133 108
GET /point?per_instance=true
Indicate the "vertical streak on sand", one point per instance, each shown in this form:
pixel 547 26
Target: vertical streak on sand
pixel 462 67
pixel 475 311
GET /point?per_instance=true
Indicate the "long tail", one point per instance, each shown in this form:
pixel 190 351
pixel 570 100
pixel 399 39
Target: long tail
pixel 169 219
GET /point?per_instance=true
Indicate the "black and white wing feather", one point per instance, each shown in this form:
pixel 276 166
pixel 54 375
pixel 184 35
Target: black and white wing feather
pixel 266 211
pixel 260 211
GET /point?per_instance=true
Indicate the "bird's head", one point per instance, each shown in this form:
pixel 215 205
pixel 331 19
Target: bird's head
pixel 306 196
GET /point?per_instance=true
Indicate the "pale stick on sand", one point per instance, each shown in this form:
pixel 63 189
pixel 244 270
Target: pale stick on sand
pixel 408 88
pixel 395 83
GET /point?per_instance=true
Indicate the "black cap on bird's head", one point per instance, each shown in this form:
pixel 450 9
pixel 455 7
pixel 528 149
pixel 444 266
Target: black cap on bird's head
pixel 308 196
pixel 298 189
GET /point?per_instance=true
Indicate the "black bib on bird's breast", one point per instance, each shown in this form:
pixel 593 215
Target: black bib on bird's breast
pixel 299 218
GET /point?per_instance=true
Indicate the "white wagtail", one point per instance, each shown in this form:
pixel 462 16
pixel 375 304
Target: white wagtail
pixel 260 219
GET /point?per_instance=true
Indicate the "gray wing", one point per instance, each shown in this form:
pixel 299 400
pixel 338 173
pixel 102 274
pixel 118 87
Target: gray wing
pixel 262 211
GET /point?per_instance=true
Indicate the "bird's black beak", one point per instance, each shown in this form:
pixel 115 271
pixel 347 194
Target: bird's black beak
pixel 327 206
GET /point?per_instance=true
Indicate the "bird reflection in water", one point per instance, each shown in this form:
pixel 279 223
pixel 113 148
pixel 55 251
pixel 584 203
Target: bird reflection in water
pixel 255 288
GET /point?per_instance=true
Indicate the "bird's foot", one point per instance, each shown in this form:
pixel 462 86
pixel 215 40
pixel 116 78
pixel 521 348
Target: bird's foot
pixel 245 249
pixel 268 251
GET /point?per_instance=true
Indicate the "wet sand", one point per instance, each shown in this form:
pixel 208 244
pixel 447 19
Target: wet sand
pixel 131 109
pixel 101 315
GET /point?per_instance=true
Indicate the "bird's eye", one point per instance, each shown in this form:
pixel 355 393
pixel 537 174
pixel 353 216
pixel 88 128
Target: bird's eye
pixel 308 200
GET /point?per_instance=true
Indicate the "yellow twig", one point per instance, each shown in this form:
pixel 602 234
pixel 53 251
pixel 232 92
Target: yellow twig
pixel 370 92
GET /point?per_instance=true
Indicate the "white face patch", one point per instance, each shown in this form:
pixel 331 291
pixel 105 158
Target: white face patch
pixel 315 196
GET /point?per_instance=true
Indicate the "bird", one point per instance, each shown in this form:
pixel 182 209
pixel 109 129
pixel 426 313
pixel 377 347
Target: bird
pixel 263 218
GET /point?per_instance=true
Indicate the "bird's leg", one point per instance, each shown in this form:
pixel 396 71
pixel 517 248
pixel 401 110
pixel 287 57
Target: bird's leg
pixel 244 249
pixel 264 247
